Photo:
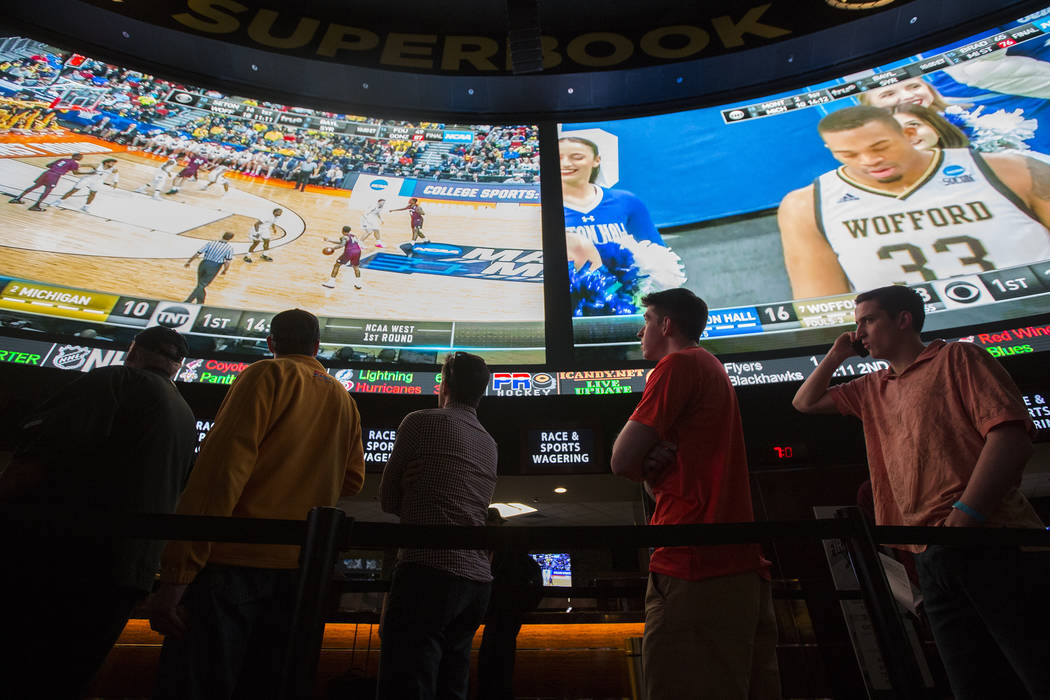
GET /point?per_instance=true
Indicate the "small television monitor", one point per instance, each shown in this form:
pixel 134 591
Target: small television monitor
pixel 556 567
pixel 358 566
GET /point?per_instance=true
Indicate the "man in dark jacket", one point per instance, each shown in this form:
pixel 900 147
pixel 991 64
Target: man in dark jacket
pixel 118 439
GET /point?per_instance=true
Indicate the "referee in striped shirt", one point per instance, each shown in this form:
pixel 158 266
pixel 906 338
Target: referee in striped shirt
pixel 217 255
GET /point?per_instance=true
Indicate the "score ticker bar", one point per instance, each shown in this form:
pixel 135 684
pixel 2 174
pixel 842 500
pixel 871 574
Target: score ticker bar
pixel 962 291
pixel 972 51
pixel 72 356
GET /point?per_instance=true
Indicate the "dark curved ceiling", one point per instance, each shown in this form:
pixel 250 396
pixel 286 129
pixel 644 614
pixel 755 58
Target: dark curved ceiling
pixel 504 60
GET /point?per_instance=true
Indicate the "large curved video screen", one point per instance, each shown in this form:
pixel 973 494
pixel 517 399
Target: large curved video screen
pixel 138 201
pixel 931 171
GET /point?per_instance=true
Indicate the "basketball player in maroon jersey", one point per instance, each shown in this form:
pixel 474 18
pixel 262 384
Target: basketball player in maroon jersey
pixel 416 212
pixel 351 255
pixel 50 177
pixel 194 164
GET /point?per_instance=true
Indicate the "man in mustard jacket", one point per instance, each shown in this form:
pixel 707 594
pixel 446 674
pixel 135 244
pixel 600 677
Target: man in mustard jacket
pixel 286 438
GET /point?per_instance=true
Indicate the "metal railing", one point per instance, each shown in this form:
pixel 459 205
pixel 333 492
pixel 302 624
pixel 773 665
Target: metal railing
pixel 328 530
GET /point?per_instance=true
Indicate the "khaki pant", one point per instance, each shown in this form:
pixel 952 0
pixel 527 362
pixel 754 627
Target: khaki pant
pixel 713 639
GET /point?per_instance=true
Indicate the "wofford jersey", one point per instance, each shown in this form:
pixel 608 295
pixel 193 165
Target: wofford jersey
pixel 958 218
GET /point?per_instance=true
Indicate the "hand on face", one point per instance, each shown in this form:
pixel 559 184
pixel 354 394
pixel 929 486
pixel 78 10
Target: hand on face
pixel 843 346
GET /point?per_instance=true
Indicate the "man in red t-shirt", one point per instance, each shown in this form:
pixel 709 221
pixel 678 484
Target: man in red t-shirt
pixel 710 630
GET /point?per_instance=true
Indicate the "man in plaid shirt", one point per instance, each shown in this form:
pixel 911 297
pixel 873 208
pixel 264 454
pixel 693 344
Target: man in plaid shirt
pixel 442 471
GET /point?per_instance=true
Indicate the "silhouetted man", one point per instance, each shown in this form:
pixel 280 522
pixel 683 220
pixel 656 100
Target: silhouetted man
pixel 119 439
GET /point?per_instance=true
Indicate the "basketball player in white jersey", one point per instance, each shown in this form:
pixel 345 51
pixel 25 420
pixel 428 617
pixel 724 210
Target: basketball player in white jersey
pixel 262 231
pixel 217 174
pixel 161 177
pixel 370 222
pixel 106 174
pixel 895 214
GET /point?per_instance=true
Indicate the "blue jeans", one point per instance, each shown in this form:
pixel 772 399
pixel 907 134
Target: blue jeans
pixel 989 609
pixel 239 621
pixel 429 624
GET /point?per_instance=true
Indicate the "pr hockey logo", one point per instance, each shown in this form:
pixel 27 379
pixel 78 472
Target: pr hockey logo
pixel 523 384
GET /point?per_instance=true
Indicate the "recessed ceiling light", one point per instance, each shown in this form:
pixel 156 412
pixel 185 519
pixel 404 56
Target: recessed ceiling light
pixel 561 489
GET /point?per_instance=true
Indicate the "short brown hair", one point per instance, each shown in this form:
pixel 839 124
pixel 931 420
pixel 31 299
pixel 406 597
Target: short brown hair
pixel 465 377
pixel 895 299
pixel 687 310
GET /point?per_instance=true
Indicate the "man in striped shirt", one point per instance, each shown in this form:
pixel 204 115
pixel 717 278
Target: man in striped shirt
pixel 442 471
pixel 217 255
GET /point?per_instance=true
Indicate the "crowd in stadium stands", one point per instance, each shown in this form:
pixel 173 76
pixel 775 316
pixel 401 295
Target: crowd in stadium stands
pixel 502 154
pixel 129 107
pixel 119 92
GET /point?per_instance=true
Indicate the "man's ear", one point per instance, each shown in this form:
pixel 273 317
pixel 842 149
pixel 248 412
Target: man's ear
pixel 665 325
pixel 905 321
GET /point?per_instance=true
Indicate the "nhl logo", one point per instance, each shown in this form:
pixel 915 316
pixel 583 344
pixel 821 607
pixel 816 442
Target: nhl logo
pixel 70 356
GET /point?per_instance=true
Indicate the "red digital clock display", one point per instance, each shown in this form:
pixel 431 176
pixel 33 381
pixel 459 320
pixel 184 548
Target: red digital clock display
pixel 782 453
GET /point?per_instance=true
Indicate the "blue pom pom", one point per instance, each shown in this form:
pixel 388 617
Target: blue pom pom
pixel 610 290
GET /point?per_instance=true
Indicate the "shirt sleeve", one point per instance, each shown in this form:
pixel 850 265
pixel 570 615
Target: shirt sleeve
pixel 849 397
pixel 671 386
pixel 639 222
pixel 406 445
pixel 987 390
pixel 224 465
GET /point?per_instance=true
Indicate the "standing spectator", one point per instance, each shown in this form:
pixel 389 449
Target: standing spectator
pixel 709 624
pixel 287 438
pixel 442 471
pixel 948 437
pixel 517 589
pixel 217 256
pixel 119 439
pixel 308 168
